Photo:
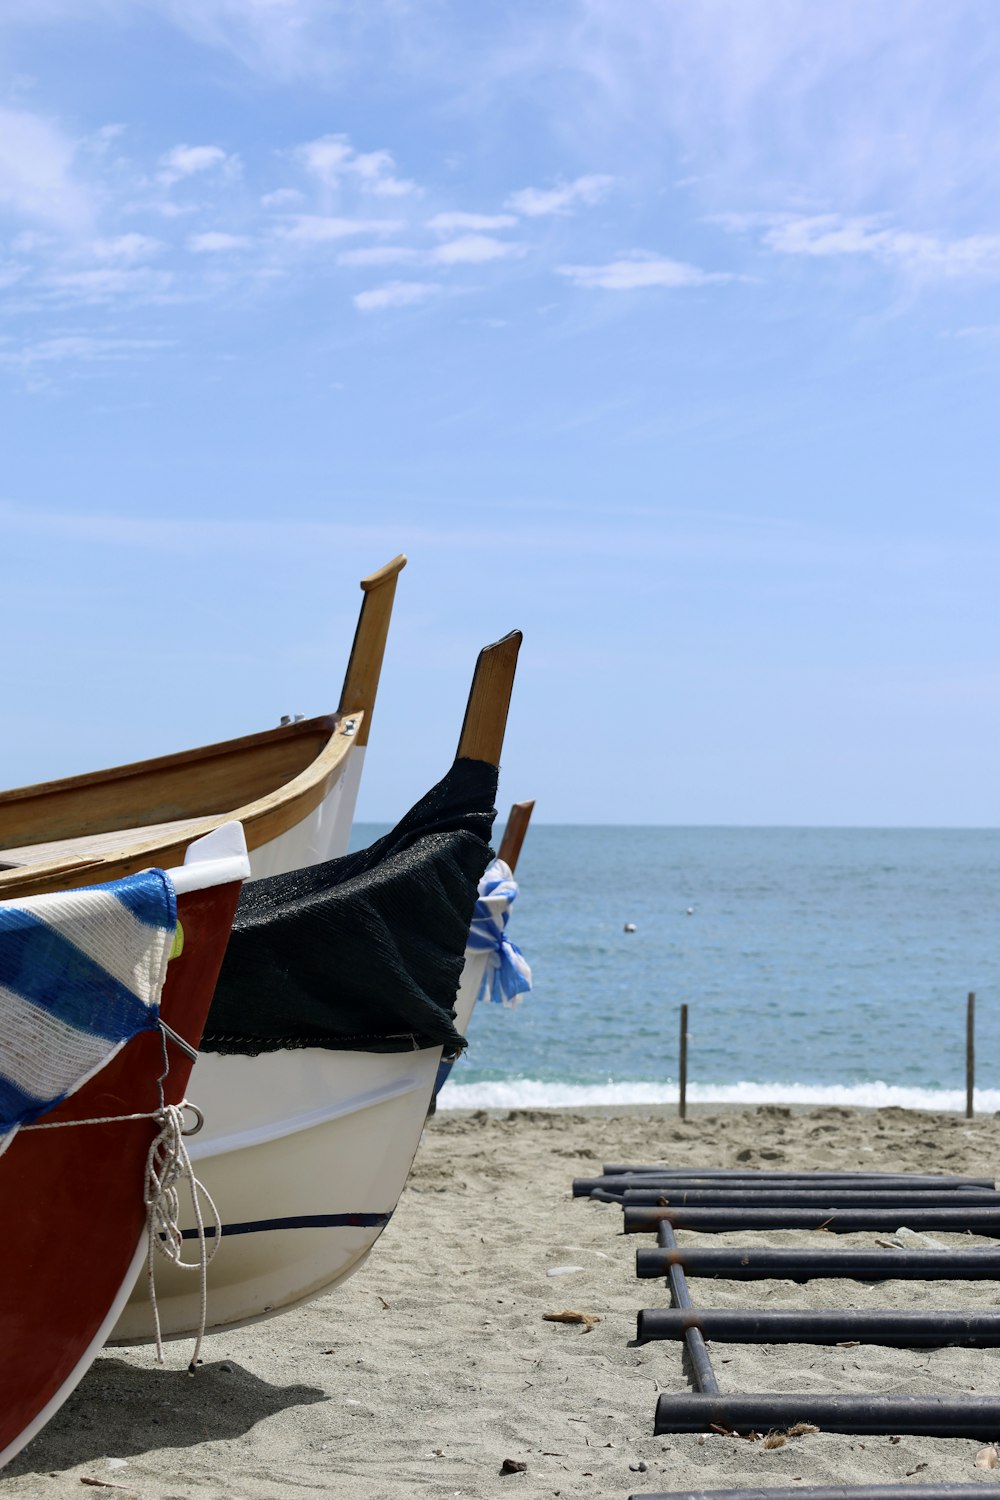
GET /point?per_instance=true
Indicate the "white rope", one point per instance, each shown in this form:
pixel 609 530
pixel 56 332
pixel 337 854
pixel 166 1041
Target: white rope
pixel 145 1114
pixel 167 1166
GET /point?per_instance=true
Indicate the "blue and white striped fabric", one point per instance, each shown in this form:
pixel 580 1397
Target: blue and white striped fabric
pixel 508 975
pixel 80 974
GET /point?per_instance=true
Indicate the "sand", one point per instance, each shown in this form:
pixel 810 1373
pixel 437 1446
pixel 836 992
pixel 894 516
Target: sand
pixel 434 1364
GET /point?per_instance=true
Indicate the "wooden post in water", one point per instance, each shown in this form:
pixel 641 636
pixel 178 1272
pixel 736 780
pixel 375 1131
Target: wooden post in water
pixel 970 1054
pixel 683 1070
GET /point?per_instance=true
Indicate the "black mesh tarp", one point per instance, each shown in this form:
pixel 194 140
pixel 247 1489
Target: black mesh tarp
pixel 363 952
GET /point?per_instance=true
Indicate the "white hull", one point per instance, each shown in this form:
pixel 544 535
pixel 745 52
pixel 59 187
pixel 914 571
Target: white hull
pixel 321 835
pixel 305 1154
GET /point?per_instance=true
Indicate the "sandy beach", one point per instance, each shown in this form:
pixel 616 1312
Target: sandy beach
pixel 434 1364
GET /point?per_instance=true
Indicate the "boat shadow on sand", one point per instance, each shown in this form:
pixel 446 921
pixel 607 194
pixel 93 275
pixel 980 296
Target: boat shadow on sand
pixel 121 1411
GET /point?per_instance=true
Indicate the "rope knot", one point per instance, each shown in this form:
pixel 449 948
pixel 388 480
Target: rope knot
pixel 168 1166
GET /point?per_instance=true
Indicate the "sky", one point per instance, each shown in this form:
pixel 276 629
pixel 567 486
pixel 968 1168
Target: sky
pixel 666 333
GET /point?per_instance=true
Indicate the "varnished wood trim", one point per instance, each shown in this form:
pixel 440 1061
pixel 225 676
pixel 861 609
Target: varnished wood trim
pixel 161 789
pixel 365 665
pixel 383 575
pixel 489 699
pixel 263 819
pixel 513 835
pixel 194 783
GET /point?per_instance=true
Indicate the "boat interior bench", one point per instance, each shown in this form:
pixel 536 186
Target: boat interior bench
pixel 102 843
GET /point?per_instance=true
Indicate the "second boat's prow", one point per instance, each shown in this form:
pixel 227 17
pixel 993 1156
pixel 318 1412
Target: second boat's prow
pixel 335 1000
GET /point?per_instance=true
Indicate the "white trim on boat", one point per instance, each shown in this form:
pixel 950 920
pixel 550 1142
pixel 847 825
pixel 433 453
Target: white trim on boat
pixel 216 859
pixel 276 1130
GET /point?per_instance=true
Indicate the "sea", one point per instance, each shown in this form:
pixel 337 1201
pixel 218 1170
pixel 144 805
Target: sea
pixel 818 965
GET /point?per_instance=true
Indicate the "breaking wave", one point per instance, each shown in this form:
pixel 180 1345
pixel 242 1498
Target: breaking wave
pixel 530 1093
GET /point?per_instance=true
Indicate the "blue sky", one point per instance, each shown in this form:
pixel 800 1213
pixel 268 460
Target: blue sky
pixel 666 332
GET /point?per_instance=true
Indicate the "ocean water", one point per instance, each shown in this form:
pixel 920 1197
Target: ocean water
pixel 818 965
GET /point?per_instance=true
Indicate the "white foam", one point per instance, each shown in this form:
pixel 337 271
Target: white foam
pixel 529 1093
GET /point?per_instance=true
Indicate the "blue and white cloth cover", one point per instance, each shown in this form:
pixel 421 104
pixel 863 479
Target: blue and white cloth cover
pixel 81 973
pixel 508 975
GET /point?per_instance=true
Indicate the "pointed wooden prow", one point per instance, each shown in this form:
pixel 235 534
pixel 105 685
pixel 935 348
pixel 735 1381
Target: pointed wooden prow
pixel 489 699
pixel 365 665
pixel 513 835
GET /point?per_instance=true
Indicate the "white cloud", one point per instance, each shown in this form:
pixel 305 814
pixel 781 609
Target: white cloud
pixel 320 229
pixel 332 158
pixel 737 223
pixel 452 223
pixel 535 202
pixel 976 331
pixel 872 107
pixel 215 242
pixel 168 209
pixel 126 249
pixel 474 250
pixel 36 172
pixel 105 136
pixel 282 198
pixel 278 38
pixel 376 171
pixel 327 157
pixel 922 255
pixel 30 241
pixel 827 236
pixel 395 294
pixel 188 161
pixel 109 284
pixel 70 347
pixel 638 270
pixel 468 250
pixel 378 255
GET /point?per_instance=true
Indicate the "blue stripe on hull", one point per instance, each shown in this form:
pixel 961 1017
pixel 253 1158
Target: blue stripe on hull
pixel 299 1221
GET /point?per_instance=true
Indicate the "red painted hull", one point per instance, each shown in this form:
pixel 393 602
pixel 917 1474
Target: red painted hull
pixel 71 1201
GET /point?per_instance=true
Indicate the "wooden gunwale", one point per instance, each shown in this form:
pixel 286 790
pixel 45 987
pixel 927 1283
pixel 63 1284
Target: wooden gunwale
pixel 144 791
pixel 270 781
pixel 263 819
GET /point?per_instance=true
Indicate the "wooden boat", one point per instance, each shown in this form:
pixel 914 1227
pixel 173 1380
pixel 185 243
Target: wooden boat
pixel 67 1265
pixel 306 1151
pixel 293 788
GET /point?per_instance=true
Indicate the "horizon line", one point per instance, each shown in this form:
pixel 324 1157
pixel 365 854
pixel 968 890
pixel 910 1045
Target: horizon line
pixel 759 827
